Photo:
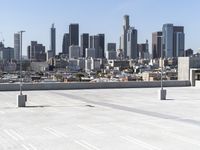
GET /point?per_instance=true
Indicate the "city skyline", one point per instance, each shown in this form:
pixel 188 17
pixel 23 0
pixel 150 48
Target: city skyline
pixel 93 20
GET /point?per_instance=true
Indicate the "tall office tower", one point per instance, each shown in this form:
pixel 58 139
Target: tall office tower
pixel 167 40
pixel 173 40
pixel 111 52
pixel 94 43
pixel 65 44
pixel 132 51
pixel 91 40
pixel 6 53
pixel 156 44
pixel 73 34
pixel 143 50
pixel 74 52
pixel 98 42
pixel 36 52
pixel 111 46
pixel 53 40
pixel 90 53
pixel 179 41
pixel 17 46
pixel 123 39
pixel 101 51
pixel 84 43
pixel 120 42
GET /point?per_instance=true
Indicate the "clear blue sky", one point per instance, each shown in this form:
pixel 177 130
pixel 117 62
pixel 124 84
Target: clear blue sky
pixel 97 16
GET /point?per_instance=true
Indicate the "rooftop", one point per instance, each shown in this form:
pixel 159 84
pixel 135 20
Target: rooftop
pixel 106 119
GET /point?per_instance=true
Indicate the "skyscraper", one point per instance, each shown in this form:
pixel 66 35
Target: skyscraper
pixel 6 53
pixel 74 52
pixel 17 46
pixel 101 52
pixel 111 46
pixel 90 53
pixel 143 50
pixel 65 44
pixel 173 40
pixel 179 41
pixel 53 40
pixel 156 44
pixel 98 42
pixel 94 43
pixel 111 52
pixel 167 40
pixel 84 43
pixel 36 52
pixel 123 38
pixel 74 34
pixel 132 51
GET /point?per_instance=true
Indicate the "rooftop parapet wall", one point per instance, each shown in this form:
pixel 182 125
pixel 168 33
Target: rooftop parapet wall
pixel 100 85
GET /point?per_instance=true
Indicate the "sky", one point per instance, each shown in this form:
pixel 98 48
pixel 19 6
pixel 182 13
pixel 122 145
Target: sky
pixel 96 16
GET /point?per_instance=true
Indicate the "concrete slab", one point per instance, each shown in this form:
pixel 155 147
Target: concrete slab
pixel 106 119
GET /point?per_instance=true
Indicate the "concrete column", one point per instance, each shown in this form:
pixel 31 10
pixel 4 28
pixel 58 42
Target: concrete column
pixel 162 94
pixel 21 100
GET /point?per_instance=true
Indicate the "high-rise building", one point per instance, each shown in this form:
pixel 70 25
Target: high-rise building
pixel 101 52
pixel 178 41
pixel 143 50
pixel 98 42
pixel 17 46
pixel 84 43
pixel 111 46
pixel 74 51
pixel 123 38
pixel 156 44
pixel 53 40
pixel 65 44
pixel 167 40
pixel 173 40
pixel 6 53
pixel 36 52
pixel 111 52
pixel 90 53
pixel 132 51
pixel 94 41
pixel 74 34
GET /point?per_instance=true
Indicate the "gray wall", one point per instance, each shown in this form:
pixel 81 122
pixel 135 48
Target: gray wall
pixel 103 85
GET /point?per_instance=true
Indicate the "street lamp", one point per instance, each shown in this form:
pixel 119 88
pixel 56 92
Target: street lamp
pixel 21 99
pixel 162 92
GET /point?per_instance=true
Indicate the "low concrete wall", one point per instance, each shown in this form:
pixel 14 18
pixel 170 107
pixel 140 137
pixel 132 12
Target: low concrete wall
pixel 83 85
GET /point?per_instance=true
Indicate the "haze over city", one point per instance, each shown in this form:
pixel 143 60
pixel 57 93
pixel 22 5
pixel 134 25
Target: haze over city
pixel 105 16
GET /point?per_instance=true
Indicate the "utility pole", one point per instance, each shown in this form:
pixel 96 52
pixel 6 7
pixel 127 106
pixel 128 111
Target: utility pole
pixel 21 99
pixel 162 91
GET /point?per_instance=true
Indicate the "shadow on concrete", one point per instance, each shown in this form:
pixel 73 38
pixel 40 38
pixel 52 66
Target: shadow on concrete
pixel 168 99
pixel 39 106
pixel 89 105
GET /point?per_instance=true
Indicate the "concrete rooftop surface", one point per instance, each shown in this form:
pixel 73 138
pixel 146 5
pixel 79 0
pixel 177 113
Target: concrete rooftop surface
pixel 106 119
